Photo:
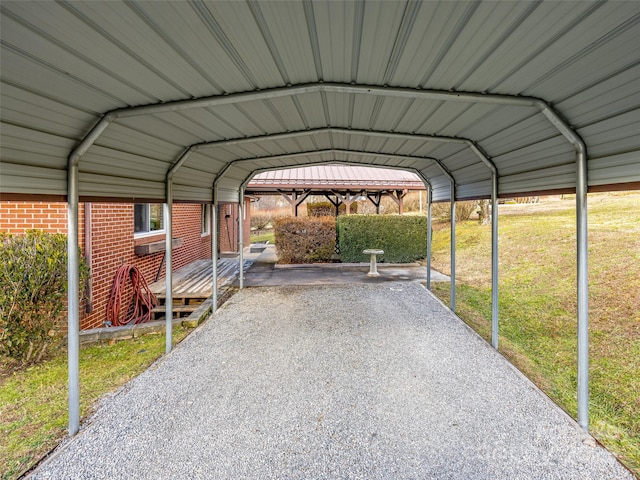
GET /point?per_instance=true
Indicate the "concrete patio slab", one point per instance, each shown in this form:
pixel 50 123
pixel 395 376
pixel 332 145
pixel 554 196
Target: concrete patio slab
pixel 265 271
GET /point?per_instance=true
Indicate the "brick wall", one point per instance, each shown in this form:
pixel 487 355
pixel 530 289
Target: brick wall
pixel 112 242
pixel 17 217
pixel 228 235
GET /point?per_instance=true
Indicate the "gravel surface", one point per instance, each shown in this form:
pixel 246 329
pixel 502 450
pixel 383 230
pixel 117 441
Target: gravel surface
pixel 369 381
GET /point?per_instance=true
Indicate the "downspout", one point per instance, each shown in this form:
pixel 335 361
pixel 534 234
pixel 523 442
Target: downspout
pixel 88 256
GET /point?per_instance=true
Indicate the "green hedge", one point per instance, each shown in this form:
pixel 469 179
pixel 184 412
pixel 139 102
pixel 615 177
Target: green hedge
pixel 328 209
pixel 403 238
pixel 305 240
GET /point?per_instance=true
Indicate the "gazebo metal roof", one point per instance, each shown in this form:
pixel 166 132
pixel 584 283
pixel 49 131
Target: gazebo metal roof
pixel 187 101
pixel 335 176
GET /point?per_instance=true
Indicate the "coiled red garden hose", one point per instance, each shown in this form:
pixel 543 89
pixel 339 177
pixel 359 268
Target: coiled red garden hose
pixel 142 299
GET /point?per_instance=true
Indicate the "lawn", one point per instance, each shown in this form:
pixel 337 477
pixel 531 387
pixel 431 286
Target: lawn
pixel 33 402
pixel 263 236
pixel 537 288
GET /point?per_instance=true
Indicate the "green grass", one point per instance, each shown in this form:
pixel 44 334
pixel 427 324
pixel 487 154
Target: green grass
pixel 263 237
pixel 538 304
pixel 33 402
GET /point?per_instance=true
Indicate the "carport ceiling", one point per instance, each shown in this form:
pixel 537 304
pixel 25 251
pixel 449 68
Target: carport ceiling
pixel 285 84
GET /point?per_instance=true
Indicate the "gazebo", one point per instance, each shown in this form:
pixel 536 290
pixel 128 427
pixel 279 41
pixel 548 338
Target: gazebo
pixel 339 184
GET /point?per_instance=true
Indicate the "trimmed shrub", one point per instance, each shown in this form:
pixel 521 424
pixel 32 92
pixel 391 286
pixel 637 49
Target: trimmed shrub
pixel 328 209
pixel 305 240
pixel 33 275
pixel 403 238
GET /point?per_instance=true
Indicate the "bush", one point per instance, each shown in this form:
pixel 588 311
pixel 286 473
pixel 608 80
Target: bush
pixel 403 238
pixel 328 209
pixel 260 220
pixel 464 209
pixel 305 240
pixel 33 275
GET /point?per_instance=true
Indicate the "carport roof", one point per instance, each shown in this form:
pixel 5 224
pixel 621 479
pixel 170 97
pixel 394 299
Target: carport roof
pixel 444 89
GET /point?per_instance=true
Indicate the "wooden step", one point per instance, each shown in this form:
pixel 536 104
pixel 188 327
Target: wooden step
pixel 182 300
pixel 179 311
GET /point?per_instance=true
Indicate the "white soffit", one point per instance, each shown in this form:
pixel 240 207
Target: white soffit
pixel 66 64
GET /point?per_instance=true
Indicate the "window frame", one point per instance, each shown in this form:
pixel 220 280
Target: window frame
pixel 205 219
pixel 148 232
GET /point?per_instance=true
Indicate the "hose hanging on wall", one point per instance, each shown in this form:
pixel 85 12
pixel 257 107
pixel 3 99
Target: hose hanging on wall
pixel 142 299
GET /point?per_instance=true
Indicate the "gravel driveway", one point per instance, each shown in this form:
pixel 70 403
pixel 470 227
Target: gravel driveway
pixel 375 381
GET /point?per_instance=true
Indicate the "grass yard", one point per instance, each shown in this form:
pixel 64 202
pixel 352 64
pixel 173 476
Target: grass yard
pixel 538 303
pixel 33 402
pixel 263 236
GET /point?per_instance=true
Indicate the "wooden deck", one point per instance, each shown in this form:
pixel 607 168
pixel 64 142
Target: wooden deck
pixel 192 285
pixel 194 280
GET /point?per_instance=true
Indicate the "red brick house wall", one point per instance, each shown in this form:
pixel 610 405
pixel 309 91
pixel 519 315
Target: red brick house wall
pixel 112 242
pixel 228 226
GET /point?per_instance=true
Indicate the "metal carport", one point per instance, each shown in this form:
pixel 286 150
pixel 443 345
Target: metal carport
pixel 186 101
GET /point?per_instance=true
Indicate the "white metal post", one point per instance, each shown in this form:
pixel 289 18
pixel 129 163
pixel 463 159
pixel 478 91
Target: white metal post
pixel 214 248
pixel 583 291
pixel 494 260
pixel 168 225
pixel 453 247
pixel 240 238
pixel 73 300
pixel 429 198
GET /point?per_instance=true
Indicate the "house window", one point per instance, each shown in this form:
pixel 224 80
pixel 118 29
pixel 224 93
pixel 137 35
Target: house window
pixel 205 219
pixel 148 218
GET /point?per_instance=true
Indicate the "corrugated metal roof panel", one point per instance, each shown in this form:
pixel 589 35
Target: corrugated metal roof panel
pixel 64 65
pixel 127 188
pixel 29 179
pixel 608 170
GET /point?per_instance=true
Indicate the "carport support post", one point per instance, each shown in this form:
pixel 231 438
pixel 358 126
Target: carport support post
pixel 453 247
pixel 240 237
pixel 429 198
pixel 73 305
pixel 494 260
pixel 583 289
pixel 214 250
pixel 168 222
